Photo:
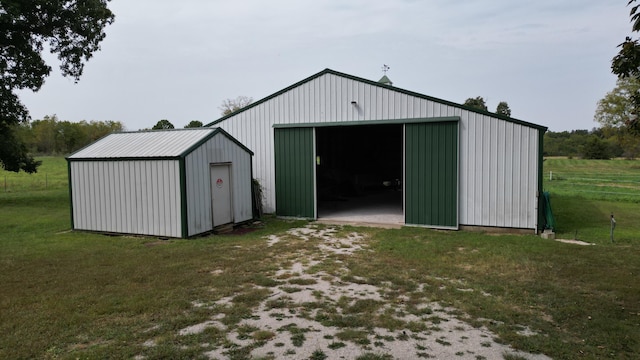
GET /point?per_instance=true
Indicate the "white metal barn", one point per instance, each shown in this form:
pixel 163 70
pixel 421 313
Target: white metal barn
pixel 333 139
pixel 170 183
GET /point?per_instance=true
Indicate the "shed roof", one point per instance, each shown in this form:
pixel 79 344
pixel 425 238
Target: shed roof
pixel 148 144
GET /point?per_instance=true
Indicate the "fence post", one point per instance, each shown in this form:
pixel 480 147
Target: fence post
pixel 613 226
pixel 550 175
pixel 46 181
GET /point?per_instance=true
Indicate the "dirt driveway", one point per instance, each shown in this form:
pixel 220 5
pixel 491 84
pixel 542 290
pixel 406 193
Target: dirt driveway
pixel 312 313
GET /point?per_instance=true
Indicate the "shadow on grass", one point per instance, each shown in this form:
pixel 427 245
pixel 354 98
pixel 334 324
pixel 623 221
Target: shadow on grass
pixel 590 220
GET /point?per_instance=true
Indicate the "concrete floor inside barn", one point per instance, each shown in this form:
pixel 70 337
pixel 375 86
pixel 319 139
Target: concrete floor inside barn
pixel 379 208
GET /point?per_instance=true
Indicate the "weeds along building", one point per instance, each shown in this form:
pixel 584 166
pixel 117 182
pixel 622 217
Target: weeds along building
pixel 342 147
pixel 170 183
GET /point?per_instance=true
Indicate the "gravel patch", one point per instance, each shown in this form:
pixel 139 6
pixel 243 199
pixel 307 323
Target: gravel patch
pixel 297 332
pixel 575 242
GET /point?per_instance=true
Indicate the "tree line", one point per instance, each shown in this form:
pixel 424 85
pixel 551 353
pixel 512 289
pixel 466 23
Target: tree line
pixel 597 143
pixel 51 136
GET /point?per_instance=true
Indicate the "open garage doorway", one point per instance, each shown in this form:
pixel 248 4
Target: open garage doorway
pixel 359 173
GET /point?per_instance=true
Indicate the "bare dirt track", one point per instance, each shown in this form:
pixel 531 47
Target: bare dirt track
pixel 285 326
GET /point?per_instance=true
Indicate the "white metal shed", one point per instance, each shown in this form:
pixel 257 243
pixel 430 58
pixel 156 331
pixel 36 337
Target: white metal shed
pixel 171 183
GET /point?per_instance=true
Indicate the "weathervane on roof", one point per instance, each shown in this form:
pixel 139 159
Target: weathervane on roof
pixel 385 68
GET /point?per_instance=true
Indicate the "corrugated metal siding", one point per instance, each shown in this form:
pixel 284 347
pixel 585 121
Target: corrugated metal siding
pixel 295 172
pixel 499 173
pixel 541 221
pixel 169 143
pixel 431 180
pixel 494 154
pixel 218 149
pixel 133 197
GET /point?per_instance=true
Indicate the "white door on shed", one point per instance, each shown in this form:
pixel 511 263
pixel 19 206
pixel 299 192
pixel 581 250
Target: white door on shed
pixel 221 201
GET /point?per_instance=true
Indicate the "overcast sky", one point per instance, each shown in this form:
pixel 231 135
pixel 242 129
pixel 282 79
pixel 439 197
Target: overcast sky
pixel 178 60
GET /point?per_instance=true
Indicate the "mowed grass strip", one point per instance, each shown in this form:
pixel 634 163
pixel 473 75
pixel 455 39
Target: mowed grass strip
pixel 609 180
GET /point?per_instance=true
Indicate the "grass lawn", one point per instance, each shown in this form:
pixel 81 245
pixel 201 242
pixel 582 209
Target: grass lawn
pixel 52 174
pixel 584 193
pixel 68 295
pixel 609 180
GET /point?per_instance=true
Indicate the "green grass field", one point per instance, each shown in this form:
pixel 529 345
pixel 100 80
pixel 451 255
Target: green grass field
pixel 52 174
pixel 69 295
pixel 610 180
pixel 584 193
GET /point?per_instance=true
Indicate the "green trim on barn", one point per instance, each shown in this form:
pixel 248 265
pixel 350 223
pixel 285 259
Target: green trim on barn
pixel 431 174
pixel 253 193
pixel 70 192
pixel 368 122
pixel 208 137
pixel 184 223
pixel 295 172
pixel 541 222
pixel 234 140
pixel 197 144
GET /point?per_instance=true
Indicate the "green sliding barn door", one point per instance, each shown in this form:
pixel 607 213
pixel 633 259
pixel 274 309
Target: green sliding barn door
pixel 431 189
pixel 294 156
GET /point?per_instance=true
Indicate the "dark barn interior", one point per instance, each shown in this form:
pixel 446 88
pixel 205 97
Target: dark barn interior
pixel 359 170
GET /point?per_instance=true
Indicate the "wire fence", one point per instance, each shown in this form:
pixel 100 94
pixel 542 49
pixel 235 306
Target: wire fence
pixel 32 182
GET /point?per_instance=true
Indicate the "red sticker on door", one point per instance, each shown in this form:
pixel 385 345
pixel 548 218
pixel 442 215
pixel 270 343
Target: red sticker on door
pixel 219 183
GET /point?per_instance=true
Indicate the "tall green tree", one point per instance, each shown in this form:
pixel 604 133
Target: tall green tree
pixel 162 125
pixel 616 112
pixel 596 148
pixel 44 134
pixel 70 136
pixel 97 129
pixel 616 109
pixel 627 64
pixel 477 103
pixel 627 61
pixel 565 143
pixel 69 28
pixel 14 154
pixel 194 124
pixel 503 109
